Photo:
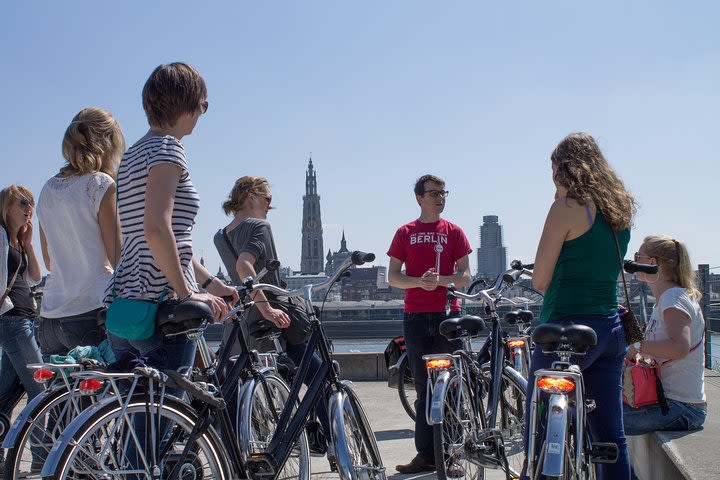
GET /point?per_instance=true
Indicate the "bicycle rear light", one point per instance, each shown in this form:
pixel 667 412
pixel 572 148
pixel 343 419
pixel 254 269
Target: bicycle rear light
pixel 90 386
pixel 438 363
pixel 556 385
pixel 516 343
pixel 43 375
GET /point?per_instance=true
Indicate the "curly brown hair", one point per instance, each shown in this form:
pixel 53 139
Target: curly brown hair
pixel 93 142
pixel 583 170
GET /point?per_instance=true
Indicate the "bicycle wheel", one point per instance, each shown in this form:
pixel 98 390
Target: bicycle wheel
pixel 406 388
pixel 456 437
pixel 261 425
pixel 135 443
pixel 356 451
pixel 41 430
pixel 512 421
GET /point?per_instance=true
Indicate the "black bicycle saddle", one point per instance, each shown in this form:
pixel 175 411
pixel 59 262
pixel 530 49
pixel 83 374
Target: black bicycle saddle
pixel 549 336
pixel 523 316
pixel 176 317
pixel 465 326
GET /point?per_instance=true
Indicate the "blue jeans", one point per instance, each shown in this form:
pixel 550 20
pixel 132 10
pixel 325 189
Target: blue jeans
pixel 602 372
pixel 680 417
pixel 422 338
pixel 295 352
pixel 17 340
pixel 57 336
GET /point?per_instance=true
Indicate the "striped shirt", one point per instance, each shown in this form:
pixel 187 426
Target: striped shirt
pixel 137 275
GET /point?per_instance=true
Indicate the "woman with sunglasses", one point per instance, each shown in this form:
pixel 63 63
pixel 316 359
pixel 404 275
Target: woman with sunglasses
pixel 19 269
pixel 79 232
pixel 673 338
pixel 577 267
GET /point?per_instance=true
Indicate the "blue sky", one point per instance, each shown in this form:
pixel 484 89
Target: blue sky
pixel 382 92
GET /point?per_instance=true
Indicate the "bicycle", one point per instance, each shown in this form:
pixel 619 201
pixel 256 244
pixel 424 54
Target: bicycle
pixel 559 407
pixel 194 447
pixel 478 416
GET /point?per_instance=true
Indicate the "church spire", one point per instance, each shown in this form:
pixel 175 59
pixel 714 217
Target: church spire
pixel 343 243
pixel 311 261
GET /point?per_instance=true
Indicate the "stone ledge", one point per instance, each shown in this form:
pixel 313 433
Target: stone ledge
pixel 362 366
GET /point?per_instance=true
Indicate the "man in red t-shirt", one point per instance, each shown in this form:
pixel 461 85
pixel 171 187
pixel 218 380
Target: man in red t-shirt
pixel 435 253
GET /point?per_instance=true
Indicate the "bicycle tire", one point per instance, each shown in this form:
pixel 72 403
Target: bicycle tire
pixel 260 425
pixel 83 454
pixel 18 460
pixel 356 451
pixel 455 437
pixel 511 420
pixel 406 388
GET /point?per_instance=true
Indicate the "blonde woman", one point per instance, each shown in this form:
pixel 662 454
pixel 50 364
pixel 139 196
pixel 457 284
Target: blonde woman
pixel 673 338
pixel 79 232
pixel 577 267
pixel 19 269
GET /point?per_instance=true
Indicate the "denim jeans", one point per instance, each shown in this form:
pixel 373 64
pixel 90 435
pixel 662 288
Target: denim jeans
pixel 295 352
pixel 422 338
pixel 17 340
pixel 57 336
pixel 680 417
pixel 602 372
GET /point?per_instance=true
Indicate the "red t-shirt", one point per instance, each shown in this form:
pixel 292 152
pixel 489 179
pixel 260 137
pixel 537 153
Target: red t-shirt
pixel 421 246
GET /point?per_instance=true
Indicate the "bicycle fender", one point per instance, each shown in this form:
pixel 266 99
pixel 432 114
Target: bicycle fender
pixel 336 412
pixel 25 417
pixel 511 372
pixel 437 403
pixel 243 416
pixel 555 436
pixel 67 435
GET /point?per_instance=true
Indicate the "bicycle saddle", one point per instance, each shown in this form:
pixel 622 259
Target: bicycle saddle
pixel 175 317
pixel 465 326
pixel 549 336
pixel 262 328
pixel 522 316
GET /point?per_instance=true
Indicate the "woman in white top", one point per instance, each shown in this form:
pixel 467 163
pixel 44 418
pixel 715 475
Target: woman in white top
pixel 674 338
pixel 79 232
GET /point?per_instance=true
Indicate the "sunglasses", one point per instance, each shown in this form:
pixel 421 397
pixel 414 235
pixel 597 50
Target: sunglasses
pixel 27 203
pixel 637 256
pixel 437 193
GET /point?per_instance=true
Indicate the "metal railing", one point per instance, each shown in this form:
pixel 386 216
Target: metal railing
pixel 710 306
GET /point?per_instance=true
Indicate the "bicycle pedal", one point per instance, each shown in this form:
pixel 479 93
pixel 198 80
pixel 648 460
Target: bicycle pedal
pixel 604 452
pixel 261 466
pixel 590 405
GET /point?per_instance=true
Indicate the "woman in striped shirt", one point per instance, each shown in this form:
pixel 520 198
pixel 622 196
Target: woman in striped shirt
pixel 157 204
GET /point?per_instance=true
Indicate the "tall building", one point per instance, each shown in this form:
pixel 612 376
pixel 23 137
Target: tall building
pixel 492 255
pixel 334 260
pixel 311 260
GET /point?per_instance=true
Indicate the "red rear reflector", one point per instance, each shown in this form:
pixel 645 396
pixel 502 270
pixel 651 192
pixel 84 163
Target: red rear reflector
pixel 439 363
pixel 516 343
pixel 556 385
pixel 43 375
pixel 90 386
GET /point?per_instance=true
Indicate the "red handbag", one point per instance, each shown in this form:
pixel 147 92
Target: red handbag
pixel 641 384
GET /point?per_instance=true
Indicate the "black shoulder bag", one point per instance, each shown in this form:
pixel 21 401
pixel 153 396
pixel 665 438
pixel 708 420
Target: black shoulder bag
pixel 633 332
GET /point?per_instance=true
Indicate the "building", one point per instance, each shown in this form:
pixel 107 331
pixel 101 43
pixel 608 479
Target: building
pixel 311 260
pixel 492 255
pixel 334 260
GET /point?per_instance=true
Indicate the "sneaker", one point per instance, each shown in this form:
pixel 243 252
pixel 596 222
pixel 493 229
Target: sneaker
pixel 417 465
pixel 316 438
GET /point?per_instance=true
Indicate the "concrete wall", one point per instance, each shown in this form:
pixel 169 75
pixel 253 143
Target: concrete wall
pixel 362 366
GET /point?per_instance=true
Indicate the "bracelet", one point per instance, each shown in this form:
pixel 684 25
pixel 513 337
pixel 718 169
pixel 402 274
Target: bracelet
pixel 185 298
pixel 208 281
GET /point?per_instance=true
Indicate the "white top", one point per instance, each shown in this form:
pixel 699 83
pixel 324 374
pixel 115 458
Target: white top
pixel 79 268
pixel 683 380
pixel 138 275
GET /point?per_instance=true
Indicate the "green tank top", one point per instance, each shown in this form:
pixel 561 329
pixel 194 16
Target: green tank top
pixel 585 278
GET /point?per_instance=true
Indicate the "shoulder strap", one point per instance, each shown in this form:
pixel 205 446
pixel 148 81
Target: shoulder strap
pixel 622 271
pixel 229 243
pixel 115 260
pixel 12 281
pixel 587 210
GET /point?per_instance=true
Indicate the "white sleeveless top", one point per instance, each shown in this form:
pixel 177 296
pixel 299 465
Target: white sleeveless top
pixel 79 268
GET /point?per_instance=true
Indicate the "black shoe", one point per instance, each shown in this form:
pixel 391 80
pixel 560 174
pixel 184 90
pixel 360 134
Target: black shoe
pixel 316 438
pixel 417 465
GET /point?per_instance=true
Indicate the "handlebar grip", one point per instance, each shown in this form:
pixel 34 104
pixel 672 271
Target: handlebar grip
pixel 518 265
pixel 632 267
pixel 359 258
pixel 272 265
pixel 511 277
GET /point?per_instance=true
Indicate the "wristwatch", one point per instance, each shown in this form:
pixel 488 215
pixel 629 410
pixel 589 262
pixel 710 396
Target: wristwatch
pixel 637 346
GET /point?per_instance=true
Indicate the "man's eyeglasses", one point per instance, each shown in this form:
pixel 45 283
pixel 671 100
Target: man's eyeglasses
pixel 437 193
pixel 204 107
pixel 26 203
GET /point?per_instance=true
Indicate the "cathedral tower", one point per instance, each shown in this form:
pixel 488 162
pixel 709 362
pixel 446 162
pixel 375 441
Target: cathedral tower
pixel 311 261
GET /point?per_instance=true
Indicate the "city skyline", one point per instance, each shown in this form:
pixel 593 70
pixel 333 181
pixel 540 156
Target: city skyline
pixel 481 102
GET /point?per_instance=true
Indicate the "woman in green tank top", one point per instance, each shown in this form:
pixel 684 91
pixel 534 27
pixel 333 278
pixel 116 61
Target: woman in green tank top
pixel 577 267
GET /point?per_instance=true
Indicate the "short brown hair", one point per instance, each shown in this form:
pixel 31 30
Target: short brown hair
pixel 93 142
pixel 171 90
pixel 8 196
pixel 420 183
pixel 243 187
